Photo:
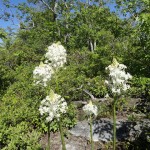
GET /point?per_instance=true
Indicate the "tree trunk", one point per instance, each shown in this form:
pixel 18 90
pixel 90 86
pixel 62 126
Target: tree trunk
pixel 91 46
pixel 54 7
pixel 94 44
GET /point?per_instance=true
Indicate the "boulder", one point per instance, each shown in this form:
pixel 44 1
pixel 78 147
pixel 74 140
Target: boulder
pixel 103 129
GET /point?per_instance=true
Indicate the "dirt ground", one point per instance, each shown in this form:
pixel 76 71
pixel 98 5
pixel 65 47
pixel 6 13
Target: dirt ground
pixel 75 143
pixel 72 143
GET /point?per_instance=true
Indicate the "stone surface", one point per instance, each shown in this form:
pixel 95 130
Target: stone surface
pixel 102 130
pixel 134 132
pixel 72 142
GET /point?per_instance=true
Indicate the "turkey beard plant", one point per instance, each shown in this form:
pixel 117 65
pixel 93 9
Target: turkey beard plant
pixel 55 59
pixel 118 78
pixel 42 74
pixel 118 84
pixel 53 106
pixel 90 109
pixel 56 55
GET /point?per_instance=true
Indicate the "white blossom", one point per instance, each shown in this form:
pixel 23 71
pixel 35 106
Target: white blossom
pixel 42 74
pixel 56 54
pixel 53 106
pixel 55 58
pixel 90 109
pixel 118 78
pixel 106 96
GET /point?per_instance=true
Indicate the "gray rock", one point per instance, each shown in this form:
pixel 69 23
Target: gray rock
pixel 81 129
pixel 103 129
pixel 137 127
pixel 71 146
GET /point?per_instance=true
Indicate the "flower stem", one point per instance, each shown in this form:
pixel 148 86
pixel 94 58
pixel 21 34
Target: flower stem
pixel 91 133
pixel 114 124
pixel 62 135
pixel 49 142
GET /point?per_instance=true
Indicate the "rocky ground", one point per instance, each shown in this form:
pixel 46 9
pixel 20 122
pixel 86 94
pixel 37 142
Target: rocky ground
pixel 131 134
pixel 78 137
pixel 72 142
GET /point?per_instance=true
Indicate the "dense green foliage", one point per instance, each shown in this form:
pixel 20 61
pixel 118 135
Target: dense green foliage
pixel 92 35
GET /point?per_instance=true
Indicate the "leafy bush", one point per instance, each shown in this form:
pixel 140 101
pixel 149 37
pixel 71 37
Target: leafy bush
pixel 21 136
pixel 82 73
pixel 140 87
pixel 21 124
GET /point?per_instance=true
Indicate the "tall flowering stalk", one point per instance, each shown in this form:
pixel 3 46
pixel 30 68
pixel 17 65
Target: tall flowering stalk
pixel 53 106
pixel 118 84
pixel 90 109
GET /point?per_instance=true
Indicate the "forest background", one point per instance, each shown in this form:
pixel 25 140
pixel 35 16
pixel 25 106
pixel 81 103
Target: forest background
pixel 93 32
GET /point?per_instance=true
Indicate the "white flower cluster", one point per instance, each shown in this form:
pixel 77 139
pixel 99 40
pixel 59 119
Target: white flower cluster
pixel 53 105
pixel 42 74
pixel 55 58
pixel 90 109
pixel 56 55
pixel 118 77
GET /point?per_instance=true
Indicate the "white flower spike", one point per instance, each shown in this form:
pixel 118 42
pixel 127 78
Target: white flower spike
pixel 90 109
pixel 42 74
pixel 53 106
pixel 56 54
pixel 117 77
pixel 55 58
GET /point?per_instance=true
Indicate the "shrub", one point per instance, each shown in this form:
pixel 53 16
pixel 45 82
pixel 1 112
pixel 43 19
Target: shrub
pixel 140 87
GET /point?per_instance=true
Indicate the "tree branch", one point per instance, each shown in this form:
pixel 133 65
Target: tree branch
pixel 47 5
